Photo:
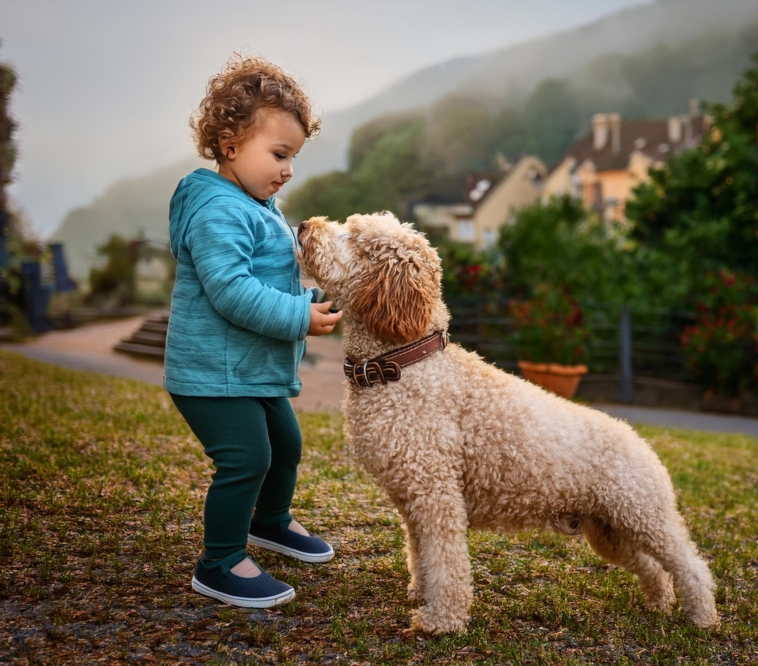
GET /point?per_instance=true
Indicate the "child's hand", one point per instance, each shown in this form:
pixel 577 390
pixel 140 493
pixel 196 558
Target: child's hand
pixel 323 321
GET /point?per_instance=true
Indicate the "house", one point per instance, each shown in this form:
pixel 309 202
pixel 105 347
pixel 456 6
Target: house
pixel 491 200
pixel 605 166
pixel 438 219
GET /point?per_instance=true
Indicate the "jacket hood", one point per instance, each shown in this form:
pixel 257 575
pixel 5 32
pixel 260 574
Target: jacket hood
pixel 193 192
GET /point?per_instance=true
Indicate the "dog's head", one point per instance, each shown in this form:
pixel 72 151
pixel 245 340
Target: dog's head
pixel 381 272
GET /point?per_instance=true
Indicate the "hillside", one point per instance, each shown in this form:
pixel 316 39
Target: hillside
pixel 611 64
pixel 425 154
pixel 519 69
pixel 661 80
pixel 130 207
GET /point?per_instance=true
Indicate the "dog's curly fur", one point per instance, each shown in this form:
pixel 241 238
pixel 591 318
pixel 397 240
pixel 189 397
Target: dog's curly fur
pixel 458 443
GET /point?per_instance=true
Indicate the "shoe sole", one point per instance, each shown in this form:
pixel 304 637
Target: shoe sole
pixel 243 602
pixel 299 554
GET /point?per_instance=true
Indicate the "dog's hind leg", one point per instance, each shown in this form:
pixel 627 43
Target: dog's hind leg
pixel 611 546
pixel 439 523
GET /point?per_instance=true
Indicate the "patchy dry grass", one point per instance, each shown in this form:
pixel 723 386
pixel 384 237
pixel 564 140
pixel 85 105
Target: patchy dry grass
pixel 101 491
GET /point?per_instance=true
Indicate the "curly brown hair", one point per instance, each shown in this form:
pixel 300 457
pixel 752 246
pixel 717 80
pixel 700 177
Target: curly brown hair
pixel 234 97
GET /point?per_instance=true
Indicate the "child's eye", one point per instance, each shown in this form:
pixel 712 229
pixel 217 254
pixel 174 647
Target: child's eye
pixel 279 156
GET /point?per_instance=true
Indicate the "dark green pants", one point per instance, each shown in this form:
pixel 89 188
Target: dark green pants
pixel 255 445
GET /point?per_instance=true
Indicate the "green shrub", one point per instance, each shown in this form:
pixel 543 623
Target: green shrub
pixel 722 347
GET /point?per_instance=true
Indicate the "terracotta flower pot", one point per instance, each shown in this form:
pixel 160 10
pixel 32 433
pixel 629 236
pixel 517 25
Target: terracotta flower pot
pixel 560 379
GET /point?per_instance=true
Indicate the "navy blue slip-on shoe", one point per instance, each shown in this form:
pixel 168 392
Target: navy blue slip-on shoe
pixel 263 591
pixel 305 548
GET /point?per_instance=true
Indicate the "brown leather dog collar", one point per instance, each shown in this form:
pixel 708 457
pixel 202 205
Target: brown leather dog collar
pixel 387 367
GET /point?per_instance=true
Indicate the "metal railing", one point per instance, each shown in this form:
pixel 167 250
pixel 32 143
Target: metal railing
pixel 624 340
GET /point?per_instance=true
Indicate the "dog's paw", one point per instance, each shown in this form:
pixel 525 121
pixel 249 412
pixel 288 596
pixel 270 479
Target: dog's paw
pixel 706 619
pixel 432 621
pixel 415 594
pixel 660 600
pixel 659 593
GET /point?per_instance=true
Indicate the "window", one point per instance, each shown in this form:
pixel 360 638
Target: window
pixel 466 230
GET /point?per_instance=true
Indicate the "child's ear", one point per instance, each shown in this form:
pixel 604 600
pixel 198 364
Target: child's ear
pixel 228 147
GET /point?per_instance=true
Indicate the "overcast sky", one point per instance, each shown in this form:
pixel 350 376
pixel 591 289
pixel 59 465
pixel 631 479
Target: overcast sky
pixel 106 86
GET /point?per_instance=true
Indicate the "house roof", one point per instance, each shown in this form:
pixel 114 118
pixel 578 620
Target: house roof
pixel 480 184
pixel 649 137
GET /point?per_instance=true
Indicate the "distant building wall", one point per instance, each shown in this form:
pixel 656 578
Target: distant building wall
pixel 521 187
pixel 603 168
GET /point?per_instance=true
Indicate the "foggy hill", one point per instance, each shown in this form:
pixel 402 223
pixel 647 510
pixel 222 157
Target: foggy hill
pixel 518 69
pixel 594 57
pixel 131 207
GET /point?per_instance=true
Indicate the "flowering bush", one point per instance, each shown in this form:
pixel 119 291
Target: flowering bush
pixel 722 348
pixel 550 329
pixel 466 271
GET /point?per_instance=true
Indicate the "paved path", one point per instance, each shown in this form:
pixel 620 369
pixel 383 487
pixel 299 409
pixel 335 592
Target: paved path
pixel 686 420
pixel 91 348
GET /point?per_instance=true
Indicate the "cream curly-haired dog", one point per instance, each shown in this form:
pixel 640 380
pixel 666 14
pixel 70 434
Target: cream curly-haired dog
pixel 458 443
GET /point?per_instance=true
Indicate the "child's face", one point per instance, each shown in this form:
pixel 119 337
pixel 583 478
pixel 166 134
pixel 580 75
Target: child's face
pixel 261 164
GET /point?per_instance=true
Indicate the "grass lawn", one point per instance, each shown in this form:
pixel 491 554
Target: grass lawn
pixel 101 494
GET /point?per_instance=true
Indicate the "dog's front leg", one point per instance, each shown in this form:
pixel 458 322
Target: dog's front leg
pixel 416 586
pixel 438 523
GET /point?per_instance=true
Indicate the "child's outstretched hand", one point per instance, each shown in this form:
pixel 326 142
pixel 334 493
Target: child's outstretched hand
pixel 323 321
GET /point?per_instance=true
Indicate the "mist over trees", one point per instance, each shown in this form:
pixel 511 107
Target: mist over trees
pixel 535 98
pixel 416 155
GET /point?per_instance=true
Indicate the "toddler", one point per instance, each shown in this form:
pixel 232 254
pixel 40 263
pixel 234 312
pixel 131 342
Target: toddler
pixel 239 317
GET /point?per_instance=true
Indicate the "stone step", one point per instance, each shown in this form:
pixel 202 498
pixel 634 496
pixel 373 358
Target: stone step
pixel 154 327
pixel 136 349
pixel 145 338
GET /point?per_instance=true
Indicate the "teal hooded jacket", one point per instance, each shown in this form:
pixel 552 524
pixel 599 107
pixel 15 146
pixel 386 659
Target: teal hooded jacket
pixel 239 314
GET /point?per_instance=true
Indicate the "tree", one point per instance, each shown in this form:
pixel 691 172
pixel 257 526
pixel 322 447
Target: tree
pixel 365 137
pixel 698 214
pixel 553 120
pixel 389 168
pixel 558 245
pixel 334 195
pixel 115 281
pixel 7 129
pixel 458 134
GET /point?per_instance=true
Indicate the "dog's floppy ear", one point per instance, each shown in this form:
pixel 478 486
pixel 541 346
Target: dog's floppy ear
pixel 397 293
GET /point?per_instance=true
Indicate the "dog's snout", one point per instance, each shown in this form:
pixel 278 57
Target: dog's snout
pixel 302 227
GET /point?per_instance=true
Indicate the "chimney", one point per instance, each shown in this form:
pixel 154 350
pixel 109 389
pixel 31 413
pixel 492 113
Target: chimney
pixel 599 131
pixel 614 121
pixel 675 129
pixel 606 126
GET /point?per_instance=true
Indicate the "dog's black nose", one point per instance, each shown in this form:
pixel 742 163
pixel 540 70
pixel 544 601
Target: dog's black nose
pixel 301 227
